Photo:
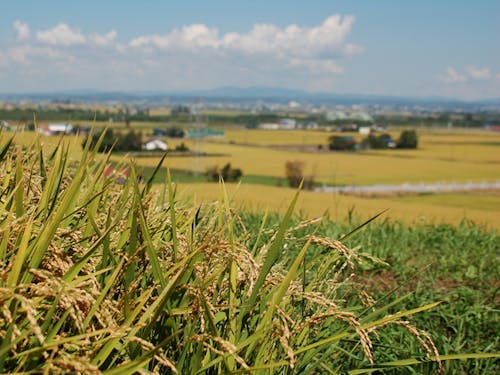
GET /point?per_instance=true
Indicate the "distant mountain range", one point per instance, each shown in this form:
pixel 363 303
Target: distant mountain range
pixel 238 94
pixel 271 92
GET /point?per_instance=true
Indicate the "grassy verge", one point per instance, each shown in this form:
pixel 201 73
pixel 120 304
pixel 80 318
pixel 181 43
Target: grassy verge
pixel 458 265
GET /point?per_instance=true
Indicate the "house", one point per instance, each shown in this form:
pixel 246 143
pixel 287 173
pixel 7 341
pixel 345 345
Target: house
pixel 269 126
pixel 287 124
pixel 155 145
pixel 365 130
pixel 58 129
pixel 283 124
pixel 310 125
pixel 492 127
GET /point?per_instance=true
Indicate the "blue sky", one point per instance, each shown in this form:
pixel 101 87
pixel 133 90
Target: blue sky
pixel 417 48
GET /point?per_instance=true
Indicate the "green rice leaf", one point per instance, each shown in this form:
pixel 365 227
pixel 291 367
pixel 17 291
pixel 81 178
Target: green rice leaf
pixel 415 361
pixel 273 252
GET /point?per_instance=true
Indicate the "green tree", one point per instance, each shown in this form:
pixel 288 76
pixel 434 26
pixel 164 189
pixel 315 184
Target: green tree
pixel 175 132
pixel 130 141
pixel 377 142
pixel 227 173
pixel 342 143
pixel 408 139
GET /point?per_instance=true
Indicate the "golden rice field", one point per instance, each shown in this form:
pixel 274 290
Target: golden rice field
pixel 443 156
pixel 479 209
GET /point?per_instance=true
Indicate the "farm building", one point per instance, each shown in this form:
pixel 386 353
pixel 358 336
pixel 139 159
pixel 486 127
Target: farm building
pixel 204 133
pixel 493 128
pixel 155 145
pixel 288 123
pixel 309 125
pixel 269 126
pixel 57 129
pixel 364 130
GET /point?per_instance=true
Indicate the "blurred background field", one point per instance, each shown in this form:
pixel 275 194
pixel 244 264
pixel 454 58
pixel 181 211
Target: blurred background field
pixel 477 208
pixel 443 156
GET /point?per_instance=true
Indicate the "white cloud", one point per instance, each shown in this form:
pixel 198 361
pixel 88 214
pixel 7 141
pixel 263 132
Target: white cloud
pixel 23 54
pixel 326 39
pixel 478 73
pixel 452 76
pixel 261 39
pixel 199 35
pixel 65 36
pixel 103 40
pixel 62 35
pixel 146 40
pixel 18 54
pixel 22 30
pixel 497 77
pixel 472 73
pixel 189 37
pixel 316 48
pixel 193 56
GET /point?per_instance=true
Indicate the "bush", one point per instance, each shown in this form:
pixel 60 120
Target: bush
pixel 377 142
pixel 130 141
pixel 344 143
pixel 175 132
pixel 294 171
pixel 408 139
pixel 182 147
pixel 227 173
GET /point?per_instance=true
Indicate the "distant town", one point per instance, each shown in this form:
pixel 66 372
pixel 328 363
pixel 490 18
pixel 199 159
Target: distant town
pixel 257 99
pixel 253 108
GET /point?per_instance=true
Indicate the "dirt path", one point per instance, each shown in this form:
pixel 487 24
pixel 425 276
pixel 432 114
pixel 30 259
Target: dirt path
pixel 412 188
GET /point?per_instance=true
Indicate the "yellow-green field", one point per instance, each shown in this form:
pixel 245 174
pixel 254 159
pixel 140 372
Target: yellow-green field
pixel 443 156
pixel 480 209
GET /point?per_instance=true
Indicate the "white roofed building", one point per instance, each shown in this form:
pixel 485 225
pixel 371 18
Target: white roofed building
pixel 155 145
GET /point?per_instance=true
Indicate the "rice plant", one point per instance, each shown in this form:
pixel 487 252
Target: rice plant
pixel 107 273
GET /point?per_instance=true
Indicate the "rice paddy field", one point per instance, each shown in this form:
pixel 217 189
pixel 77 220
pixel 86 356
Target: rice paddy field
pixel 443 156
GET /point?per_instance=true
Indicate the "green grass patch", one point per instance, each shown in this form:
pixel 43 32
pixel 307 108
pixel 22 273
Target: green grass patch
pixel 456 265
